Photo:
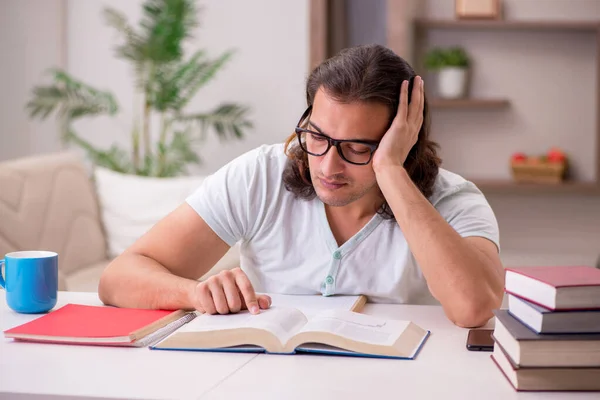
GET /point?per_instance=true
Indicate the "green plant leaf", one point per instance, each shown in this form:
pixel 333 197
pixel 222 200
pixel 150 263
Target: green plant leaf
pixel 165 24
pixel 170 80
pixel 226 119
pixel 437 58
pixel 457 57
pixel 167 81
pixel 434 59
pixel 149 166
pixel 237 131
pixel 175 84
pixel 70 98
pixel 114 158
pixel 134 46
pixel 173 157
pixel 199 74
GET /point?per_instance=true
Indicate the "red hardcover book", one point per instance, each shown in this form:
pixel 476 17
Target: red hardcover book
pixel 97 325
pixel 556 287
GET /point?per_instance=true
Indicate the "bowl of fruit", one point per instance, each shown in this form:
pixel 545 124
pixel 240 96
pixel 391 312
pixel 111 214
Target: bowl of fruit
pixel 545 168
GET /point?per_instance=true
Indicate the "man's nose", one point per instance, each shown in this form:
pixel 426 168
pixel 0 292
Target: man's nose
pixel 332 163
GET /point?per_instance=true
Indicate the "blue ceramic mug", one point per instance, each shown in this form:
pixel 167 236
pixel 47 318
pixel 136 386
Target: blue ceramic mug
pixel 30 280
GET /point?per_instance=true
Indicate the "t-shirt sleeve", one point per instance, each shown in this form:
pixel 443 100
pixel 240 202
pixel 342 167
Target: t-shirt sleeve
pixel 467 210
pixel 223 200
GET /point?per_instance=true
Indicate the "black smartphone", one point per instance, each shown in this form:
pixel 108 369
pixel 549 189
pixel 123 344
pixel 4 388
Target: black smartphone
pixel 480 340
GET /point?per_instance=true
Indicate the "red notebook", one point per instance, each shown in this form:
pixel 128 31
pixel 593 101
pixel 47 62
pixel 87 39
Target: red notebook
pixel 81 324
pixel 556 287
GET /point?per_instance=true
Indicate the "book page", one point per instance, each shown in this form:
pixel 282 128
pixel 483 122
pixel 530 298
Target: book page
pixel 357 327
pixel 311 305
pixel 283 322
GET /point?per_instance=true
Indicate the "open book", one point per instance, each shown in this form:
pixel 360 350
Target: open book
pixel 288 330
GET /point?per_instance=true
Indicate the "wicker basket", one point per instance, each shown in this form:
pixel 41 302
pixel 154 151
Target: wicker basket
pixel 540 172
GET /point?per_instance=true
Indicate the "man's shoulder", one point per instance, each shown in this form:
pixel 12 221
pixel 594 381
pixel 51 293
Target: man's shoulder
pixel 271 150
pixel 264 161
pixel 448 183
pixel 268 155
pixel 447 179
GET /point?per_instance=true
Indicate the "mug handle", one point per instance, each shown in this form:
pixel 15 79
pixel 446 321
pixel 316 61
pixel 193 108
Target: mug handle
pixel 2 283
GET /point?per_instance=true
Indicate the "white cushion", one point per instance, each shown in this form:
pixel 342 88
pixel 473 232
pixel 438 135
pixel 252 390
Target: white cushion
pixel 130 205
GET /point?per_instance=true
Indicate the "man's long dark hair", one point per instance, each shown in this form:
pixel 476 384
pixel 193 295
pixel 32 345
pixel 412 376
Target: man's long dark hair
pixel 371 73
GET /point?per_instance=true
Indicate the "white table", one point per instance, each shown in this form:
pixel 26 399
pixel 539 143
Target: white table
pixel 49 369
pixel 443 369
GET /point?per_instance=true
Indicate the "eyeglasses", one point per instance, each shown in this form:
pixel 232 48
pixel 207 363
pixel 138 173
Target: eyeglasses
pixel 357 152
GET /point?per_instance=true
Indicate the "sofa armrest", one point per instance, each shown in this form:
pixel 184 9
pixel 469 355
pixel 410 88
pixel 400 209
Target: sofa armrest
pixel 62 281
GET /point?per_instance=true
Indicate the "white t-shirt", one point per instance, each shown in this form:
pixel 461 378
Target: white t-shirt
pixel 287 245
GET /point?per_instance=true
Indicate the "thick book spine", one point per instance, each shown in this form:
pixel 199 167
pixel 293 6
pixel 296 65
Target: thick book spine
pixel 165 331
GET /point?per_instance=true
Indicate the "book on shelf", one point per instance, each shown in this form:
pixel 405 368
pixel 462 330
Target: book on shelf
pixel 543 320
pixel 546 378
pixel 556 287
pixel 529 349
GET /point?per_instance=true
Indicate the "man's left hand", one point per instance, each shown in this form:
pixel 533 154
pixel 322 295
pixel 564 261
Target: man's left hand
pixel 404 131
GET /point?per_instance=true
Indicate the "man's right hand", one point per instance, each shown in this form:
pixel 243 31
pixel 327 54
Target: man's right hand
pixel 228 292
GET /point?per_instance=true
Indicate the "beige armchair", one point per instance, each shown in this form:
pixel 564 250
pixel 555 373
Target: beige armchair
pixel 49 203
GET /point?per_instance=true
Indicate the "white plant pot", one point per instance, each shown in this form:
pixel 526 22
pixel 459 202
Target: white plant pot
pixel 452 82
pixel 130 205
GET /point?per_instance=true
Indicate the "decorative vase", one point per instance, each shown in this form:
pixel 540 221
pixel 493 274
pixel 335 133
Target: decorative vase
pixel 452 82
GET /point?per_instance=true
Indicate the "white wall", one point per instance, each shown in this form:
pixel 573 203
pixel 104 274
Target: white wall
pixel 267 73
pixel 551 81
pixel 538 72
pixel 30 42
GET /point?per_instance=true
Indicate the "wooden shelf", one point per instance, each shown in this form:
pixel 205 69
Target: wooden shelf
pixel 469 103
pixel 512 187
pixel 508 25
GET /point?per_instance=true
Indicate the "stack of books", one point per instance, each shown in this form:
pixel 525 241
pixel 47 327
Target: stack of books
pixel 549 338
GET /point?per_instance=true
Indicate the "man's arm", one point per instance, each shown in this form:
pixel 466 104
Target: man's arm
pixel 464 274
pixel 161 268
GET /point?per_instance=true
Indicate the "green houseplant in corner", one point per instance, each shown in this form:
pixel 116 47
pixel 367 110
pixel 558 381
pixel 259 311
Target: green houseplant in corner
pixel 141 183
pixel 452 65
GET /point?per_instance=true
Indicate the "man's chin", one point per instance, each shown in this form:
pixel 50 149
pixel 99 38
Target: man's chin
pixel 333 200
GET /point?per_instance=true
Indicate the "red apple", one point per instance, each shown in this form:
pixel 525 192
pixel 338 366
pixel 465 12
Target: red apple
pixel 518 157
pixel 556 155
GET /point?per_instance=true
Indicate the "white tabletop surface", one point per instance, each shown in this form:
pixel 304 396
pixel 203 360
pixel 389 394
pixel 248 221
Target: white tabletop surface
pixel 105 372
pixel 443 369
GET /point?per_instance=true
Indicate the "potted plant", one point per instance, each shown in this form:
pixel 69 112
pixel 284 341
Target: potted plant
pixel 140 184
pixel 452 65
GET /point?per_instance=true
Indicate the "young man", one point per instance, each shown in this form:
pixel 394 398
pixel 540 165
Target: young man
pixel 353 203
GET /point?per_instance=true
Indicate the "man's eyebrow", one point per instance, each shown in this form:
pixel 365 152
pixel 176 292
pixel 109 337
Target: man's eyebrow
pixel 324 134
pixel 317 128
